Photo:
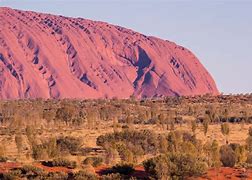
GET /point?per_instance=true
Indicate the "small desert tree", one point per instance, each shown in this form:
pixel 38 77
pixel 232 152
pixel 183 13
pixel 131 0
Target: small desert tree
pixel 205 126
pixel 2 148
pixel 163 144
pixel 175 166
pixel 194 126
pixel 154 111
pixel 240 152
pixel 30 134
pixel 64 114
pixel 207 151
pixel 48 115
pixel 225 130
pixel 19 142
pixel 111 155
pixel 115 124
pixel 92 116
pixel 215 155
pixel 249 140
pixel 226 114
pixel 158 167
pixel 161 119
pixel 172 125
pixel 129 121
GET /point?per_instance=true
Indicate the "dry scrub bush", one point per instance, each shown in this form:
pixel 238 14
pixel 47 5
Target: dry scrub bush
pixel 225 130
pixel 175 165
pixel 227 156
pixel 64 163
pixel 94 161
pixel 69 144
pixel 83 175
pixel 19 142
pixel 56 147
pixel 137 142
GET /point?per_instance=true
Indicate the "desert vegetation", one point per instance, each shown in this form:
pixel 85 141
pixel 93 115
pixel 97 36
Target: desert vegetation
pixel 166 138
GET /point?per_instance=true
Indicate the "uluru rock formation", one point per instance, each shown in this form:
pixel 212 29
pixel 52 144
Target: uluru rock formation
pixel 48 56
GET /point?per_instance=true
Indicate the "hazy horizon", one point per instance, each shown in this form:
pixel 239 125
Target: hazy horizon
pixel 217 32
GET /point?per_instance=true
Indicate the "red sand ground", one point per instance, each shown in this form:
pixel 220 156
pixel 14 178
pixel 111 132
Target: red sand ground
pixel 223 173
pixel 53 169
pixel 43 55
pixel 5 167
pixel 228 173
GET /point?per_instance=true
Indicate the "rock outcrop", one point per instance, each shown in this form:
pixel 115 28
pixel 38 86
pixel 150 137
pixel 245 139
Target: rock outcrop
pixel 48 56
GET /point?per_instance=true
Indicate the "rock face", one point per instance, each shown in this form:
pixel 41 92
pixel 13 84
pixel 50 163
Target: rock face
pixel 48 56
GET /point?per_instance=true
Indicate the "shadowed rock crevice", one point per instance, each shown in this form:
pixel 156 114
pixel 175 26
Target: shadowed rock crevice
pixel 143 62
pixel 181 71
pixel 84 78
pixel 72 56
pixel 39 63
pixel 9 67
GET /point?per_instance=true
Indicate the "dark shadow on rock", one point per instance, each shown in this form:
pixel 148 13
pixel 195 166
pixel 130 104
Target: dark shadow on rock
pixel 143 62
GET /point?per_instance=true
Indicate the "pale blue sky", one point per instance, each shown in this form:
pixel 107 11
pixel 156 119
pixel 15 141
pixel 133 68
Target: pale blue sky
pixel 218 32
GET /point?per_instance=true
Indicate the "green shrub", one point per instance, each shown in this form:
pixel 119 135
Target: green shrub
pixel 146 140
pixel 94 161
pixel 125 154
pixel 69 144
pixel 64 163
pixel 52 148
pixel 157 167
pixel 45 150
pixel 39 152
pixel 175 165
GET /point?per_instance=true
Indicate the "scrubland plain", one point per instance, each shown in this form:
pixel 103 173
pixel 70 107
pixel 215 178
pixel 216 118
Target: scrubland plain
pixel 197 137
